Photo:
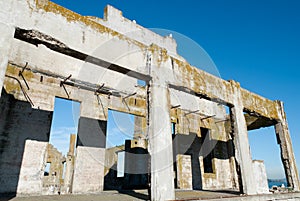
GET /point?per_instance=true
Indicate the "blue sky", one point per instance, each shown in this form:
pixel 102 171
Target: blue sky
pixel 253 42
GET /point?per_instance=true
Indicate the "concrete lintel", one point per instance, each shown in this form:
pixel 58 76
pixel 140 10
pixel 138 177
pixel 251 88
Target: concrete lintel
pixel 35 37
pixel 207 86
pixel 202 82
pixel 287 153
pixel 242 147
pixel 7 34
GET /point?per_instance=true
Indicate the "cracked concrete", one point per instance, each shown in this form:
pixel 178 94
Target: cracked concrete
pixel 100 66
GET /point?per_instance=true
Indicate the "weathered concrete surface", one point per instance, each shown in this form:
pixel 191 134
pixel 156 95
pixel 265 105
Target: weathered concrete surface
pixel 6 32
pixel 142 195
pixel 222 178
pixel 32 168
pixel 89 170
pixel 113 19
pixel 184 172
pixel 160 143
pixel 105 58
pixel 261 179
pixel 286 148
pixel 242 147
pixel 213 88
pixel 21 123
pixel 183 71
pixel 90 156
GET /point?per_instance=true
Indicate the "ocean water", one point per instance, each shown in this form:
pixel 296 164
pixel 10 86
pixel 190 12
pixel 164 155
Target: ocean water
pixel 277 183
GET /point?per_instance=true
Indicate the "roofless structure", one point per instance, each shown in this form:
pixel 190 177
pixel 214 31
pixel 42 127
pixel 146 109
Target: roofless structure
pixel 188 139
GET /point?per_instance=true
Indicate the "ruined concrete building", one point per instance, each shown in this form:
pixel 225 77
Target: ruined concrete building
pixel 47 51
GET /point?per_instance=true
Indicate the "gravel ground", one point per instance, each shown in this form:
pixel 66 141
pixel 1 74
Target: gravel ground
pixel 120 196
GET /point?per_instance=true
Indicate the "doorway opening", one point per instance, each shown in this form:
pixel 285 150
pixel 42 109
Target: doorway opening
pixel 263 144
pixel 63 129
pixel 120 128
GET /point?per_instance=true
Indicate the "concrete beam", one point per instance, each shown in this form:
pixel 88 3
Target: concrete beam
pixel 257 122
pixel 36 38
pixel 200 83
pixel 185 75
pixel 7 34
pixel 287 153
pixel 241 142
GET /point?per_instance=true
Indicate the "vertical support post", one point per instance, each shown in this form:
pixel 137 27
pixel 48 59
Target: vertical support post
pixel 160 143
pixel 7 34
pixel 287 154
pixel 69 165
pixel 90 156
pixel 241 142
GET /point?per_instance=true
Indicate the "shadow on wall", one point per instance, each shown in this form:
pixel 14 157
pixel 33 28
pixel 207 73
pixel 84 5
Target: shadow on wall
pixel 195 146
pixel 18 123
pixel 111 181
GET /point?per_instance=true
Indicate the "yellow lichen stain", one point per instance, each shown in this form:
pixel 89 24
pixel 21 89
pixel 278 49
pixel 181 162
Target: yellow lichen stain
pixel 209 175
pixel 28 75
pixel 75 17
pixel 160 54
pixel 12 70
pixel 173 114
pixel 260 105
pixel 11 87
pixel 179 166
pixel 140 103
pixel 51 80
pixel 131 101
pixel 164 55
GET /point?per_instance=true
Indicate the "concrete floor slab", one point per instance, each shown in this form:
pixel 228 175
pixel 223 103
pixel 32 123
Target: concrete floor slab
pixel 143 195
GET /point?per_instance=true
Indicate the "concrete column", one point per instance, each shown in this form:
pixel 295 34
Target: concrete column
pixel 241 142
pixel 7 34
pixel 287 153
pixel 69 166
pixel 90 156
pixel 160 143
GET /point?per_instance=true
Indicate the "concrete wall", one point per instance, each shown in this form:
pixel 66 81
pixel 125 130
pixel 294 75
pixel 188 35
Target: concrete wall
pixel 89 170
pixel 32 168
pixel 21 124
pixel 184 172
pixel 190 150
pixel 90 156
pixel 115 51
pixel 261 178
